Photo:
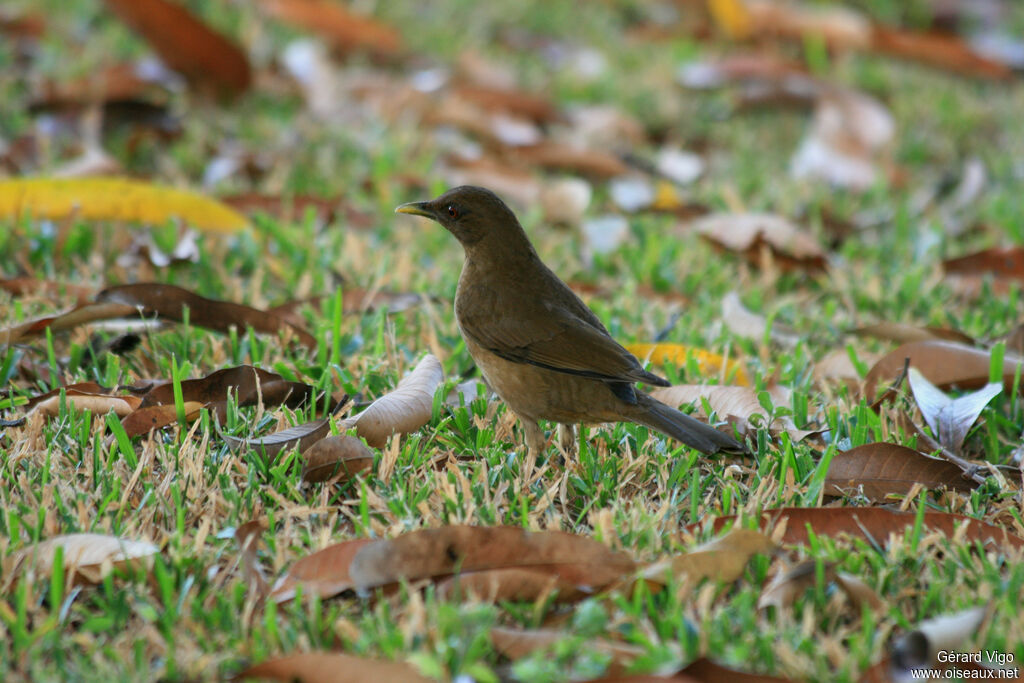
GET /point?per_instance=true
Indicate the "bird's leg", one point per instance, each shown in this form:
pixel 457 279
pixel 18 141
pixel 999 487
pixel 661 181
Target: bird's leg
pixel 535 445
pixel 567 440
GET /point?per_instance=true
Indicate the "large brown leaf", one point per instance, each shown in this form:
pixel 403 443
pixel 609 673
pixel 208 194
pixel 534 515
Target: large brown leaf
pixel 341 456
pixel 330 667
pixel 879 470
pixel 872 525
pixel 723 559
pixel 61 322
pixel 434 553
pixel 186 44
pixel 323 574
pixel 345 31
pixel 946 364
pixel 170 302
pixel 249 385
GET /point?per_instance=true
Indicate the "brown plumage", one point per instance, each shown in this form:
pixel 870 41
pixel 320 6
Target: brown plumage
pixel 537 344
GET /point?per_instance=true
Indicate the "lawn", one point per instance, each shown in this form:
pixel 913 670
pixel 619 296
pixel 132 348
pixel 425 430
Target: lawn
pixel 872 176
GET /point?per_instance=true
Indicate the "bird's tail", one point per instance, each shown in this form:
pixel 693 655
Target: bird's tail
pixel 682 427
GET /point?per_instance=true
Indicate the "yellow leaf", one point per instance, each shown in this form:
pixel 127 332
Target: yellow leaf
pixel 119 199
pixel 732 17
pixel 708 362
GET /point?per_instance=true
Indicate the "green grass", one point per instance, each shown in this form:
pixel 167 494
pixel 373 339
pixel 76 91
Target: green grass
pixel 193 617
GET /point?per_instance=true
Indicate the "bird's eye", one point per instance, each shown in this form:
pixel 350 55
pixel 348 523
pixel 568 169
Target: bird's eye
pixel 452 211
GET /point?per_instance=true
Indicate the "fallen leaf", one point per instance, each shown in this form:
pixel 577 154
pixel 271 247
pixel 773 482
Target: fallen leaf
pixel 938 49
pixel 840 28
pixel 518 643
pixel 335 456
pixel 1004 265
pixel 324 573
pixel 949 632
pixel 787 586
pixel 708 362
pixel 329 667
pixel 186 44
pixel 875 525
pixel 118 199
pixel 945 364
pixel 535 108
pixel 516 584
pixel 879 470
pixel 87 557
pixel 79 315
pixel 170 302
pixel 742 322
pixel 950 419
pixel 144 420
pixel 435 553
pixel 405 409
pixel 97 404
pixel 749 233
pixel 345 30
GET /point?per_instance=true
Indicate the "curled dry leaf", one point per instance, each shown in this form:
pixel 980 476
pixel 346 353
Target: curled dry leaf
pixel 330 667
pixel 186 44
pixel 945 364
pixel 724 559
pixel 97 404
pixel 739 405
pixel 303 436
pixel 949 632
pixel 879 470
pixel 873 525
pixel 170 302
pixel 433 553
pixel 79 315
pixel 323 574
pixel 88 557
pixel 749 233
pixel 403 410
pixel 341 456
pixel 949 418
pixel 1003 265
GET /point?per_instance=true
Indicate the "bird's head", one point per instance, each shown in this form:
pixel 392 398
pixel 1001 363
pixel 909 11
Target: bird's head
pixel 475 215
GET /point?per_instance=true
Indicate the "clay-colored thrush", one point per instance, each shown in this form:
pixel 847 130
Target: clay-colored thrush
pixel 539 347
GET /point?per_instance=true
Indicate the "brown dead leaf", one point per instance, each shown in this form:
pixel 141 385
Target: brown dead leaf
pixel 739 405
pixel 748 233
pixel 330 667
pixel 706 671
pixel 724 559
pixel 1004 265
pixel 879 470
pixel 249 385
pixel 346 31
pixel 324 573
pixel 82 387
pixel 169 302
pixel 187 45
pixel 946 364
pixel 303 436
pixel 557 156
pixel 840 28
pixel 517 103
pixel 435 553
pixel 87 557
pixel 341 456
pixel 938 49
pixel 62 322
pixel 144 420
pixel 405 409
pixel 875 525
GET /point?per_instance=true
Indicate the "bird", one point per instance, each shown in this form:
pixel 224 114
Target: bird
pixel 538 346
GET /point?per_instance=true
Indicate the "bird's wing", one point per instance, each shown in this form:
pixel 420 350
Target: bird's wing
pixel 555 339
